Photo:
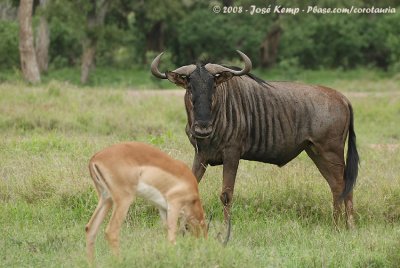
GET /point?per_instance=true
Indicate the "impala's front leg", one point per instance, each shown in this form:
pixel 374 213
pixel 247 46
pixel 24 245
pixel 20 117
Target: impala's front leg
pixel 199 166
pixel 231 163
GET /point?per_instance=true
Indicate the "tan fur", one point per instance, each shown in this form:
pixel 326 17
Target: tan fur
pixel 117 172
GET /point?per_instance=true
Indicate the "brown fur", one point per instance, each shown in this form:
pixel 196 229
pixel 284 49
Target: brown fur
pixel 234 115
pixel 117 171
pixel 273 123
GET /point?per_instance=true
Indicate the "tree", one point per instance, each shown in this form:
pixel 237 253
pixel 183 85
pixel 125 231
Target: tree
pixel 269 47
pixel 8 11
pixel 153 20
pixel 43 40
pixel 95 20
pixel 29 65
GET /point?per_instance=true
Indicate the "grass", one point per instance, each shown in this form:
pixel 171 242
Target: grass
pixel 103 76
pixel 281 216
pixel 361 80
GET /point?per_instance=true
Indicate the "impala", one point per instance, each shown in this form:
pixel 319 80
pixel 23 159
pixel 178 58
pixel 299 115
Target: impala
pixel 126 170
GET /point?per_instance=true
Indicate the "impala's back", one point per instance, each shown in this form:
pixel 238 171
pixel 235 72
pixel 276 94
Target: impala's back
pixel 137 165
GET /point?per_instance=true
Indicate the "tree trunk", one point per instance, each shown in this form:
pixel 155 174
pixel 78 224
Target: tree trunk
pixel 269 47
pixel 227 3
pixel 89 52
pixel 95 20
pixel 29 65
pixel 155 38
pixel 43 41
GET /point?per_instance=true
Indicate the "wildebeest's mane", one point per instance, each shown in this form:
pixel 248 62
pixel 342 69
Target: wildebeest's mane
pixel 250 75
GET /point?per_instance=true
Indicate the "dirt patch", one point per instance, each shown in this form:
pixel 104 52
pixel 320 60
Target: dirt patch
pixel 371 94
pixel 385 147
pixel 157 92
pixel 181 93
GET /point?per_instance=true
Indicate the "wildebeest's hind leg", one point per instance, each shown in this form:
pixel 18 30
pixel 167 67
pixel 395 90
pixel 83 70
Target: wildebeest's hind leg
pixel 331 165
pixel 348 202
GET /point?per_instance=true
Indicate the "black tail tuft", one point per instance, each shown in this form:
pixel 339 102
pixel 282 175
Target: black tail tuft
pixel 352 160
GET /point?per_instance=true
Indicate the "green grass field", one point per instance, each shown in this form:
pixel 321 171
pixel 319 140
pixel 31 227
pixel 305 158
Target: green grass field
pixel 281 216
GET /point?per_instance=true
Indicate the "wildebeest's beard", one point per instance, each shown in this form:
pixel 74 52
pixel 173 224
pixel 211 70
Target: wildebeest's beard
pixel 201 90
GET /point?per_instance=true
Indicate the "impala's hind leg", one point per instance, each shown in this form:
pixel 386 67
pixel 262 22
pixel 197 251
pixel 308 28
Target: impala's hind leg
pixel 331 165
pixel 121 207
pixel 93 225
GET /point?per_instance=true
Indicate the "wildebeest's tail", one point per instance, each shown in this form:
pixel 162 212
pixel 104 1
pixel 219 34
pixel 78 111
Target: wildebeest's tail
pixel 352 160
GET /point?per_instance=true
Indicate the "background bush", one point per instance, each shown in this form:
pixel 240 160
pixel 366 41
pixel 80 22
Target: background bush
pixel 191 31
pixel 9 54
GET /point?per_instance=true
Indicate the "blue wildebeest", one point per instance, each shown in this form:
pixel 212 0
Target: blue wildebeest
pixel 234 115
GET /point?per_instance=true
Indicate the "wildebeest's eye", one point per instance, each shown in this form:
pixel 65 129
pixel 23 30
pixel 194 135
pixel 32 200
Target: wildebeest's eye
pixel 185 77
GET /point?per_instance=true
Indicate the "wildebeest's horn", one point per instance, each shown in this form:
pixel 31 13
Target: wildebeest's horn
pixel 247 64
pixel 154 67
pixel 216 68
pixel 186 70
pixel 228 232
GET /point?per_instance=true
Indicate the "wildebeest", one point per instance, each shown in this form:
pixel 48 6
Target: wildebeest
pixel 234 115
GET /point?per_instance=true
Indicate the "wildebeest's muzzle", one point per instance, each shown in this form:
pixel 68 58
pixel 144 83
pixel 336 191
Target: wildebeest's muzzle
pixel 202 129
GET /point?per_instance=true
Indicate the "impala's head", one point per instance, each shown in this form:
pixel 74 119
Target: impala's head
pixel 195 218
pixel 200 82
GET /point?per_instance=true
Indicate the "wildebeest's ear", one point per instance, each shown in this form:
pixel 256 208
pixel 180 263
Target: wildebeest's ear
pixel 223 77
pixel 177 79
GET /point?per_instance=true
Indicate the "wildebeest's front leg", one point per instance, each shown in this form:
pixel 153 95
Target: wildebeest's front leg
pixel 231 163
pixel 199 166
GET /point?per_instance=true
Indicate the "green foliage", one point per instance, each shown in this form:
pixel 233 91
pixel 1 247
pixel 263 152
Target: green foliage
pixel 217 37
pixel 390 26
pixel 116 47
pixel 9 53
pixel 191 31
pixel 67 21
pixel 65 49
pixel 342 41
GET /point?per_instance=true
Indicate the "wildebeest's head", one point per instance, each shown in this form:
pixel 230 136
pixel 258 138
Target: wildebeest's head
pixel 200 82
